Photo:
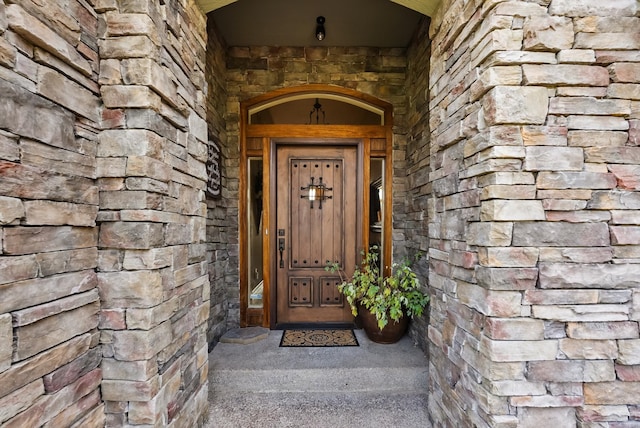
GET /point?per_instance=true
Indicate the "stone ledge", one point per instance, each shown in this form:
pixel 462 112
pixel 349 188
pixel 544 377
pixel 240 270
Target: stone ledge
pixel 245 336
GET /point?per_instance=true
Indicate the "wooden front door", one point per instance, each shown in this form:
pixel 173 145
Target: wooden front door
pixel 312 231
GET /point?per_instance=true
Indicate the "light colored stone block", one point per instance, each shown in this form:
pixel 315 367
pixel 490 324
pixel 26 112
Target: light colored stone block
pixel 130 96
pixel 135 345
pixel 544 158
pixel 515 387
pixel 614 200
pixel 130 235
pixel 627 91
pixel 490 233
pixel 127 47
pixel 560 297
pixel 11 210
pixel 576 255
pixel 492 370
pixel 129 142
pixel 547 401
pixel 147 72
pixel 629 352
pixel 603 330
pixel 593 8
pixel 544 135
pixel 577 56
pixel 127 24
pixel 588 105
pixel 628 373
pixel 496 303
pixel 601 276
pixel 514 329
pixel 597 123
pixel 506 178
pixel 596 138
pixel 154 258
pixel 625 235
pixel 583 313
pixel 515 104
pixel 144 166
pixel 575 180
pixel 111 167
pixel 565 74
pixel 604 413
pixel 604 41
pixel 519 350
pixel 612 393
pixel 511 210
pixel 128 370
pixel 554 234
pixel 126 390
pixel 493 278
pixel 508 257
pixel 535 417
pixel 508 192
pixel 589 349
pixel 548 33
pixel 495 76
pixel 571 371
pixel 145 319
pixel 130 289
pixel 60 213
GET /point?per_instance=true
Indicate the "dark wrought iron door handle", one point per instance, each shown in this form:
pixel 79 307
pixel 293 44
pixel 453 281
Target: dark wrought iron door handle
pixel 281 250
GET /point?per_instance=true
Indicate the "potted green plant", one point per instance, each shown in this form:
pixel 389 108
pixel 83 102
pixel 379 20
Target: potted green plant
pixel 384 303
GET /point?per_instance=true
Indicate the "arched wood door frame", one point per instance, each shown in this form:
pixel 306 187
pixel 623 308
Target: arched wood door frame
pixel 374 141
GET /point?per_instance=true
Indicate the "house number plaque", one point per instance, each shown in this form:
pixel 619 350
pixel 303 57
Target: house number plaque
pixel 214 170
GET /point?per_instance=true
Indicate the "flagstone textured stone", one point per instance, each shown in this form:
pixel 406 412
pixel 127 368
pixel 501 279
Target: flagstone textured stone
pixel 562 240
pixel 73 159
pixel 516 156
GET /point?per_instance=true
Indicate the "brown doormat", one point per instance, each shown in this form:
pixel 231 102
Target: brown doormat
pixel 318 338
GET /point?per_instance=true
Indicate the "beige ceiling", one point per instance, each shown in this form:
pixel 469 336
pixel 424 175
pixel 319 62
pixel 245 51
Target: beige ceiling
pixel 379 23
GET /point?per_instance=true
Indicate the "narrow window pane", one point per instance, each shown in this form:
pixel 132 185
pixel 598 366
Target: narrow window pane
pixel 376 205
pixel 254 228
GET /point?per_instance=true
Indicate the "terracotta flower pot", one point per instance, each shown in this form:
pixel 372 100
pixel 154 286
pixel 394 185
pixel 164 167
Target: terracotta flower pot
pixel 391 333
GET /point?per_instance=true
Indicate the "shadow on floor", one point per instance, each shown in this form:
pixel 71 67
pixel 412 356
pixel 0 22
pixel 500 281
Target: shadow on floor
pixel 264 385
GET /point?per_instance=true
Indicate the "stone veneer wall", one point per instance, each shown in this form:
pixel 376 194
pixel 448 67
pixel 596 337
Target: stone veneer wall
pixel 49 304
pixel 153 280
pixel 253 71
pixel 222 213
pixel 534 223
pixel 418 163
pixel 103 273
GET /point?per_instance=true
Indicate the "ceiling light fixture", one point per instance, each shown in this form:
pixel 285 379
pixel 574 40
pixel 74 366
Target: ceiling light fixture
pixel 320 32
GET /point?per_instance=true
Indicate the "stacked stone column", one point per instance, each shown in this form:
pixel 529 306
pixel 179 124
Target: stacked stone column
pixel 533 215
pixel 152 269
pixel 49 303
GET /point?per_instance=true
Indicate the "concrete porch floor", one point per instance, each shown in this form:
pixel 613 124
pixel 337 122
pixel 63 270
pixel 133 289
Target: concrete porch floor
pixel 263 385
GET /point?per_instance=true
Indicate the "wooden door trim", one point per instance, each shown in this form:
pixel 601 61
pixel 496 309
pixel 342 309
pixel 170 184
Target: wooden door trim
pixel 274 144
pixel 270 136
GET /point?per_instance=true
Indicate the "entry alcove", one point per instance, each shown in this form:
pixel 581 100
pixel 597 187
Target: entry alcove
pixel 307 116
